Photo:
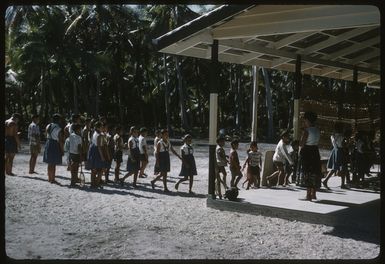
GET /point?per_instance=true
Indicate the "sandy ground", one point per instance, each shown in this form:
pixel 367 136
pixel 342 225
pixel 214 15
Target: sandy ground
pixel 47 221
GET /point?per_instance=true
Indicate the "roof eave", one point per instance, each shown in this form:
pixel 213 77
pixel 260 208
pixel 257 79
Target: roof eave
pixel 198 24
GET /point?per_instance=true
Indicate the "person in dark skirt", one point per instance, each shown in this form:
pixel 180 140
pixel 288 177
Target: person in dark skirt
pixel 143 152
pixel 158 137
pixel 254 164
pixel 118 151
pixel 75 152
pixel 163 159
pixel 54 147
pixel 189 168
pixel 133 161
pixel 96 159
pixel 310 156
pixel 336 159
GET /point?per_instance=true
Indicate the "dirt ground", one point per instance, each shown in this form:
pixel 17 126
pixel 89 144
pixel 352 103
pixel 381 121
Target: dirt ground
pixel 47 221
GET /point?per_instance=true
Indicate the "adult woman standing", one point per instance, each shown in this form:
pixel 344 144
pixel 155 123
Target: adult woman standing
pixel 309 152
pixel 53 150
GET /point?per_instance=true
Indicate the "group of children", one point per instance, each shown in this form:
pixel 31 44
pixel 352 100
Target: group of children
pixel 94 144
pixel 356 150
pixel 253 162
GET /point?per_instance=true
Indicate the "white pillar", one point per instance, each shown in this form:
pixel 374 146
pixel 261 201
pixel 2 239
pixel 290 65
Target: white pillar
pixel 254 125
pixel 213 119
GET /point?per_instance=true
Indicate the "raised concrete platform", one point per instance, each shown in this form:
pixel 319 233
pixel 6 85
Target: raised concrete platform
pixel 332 207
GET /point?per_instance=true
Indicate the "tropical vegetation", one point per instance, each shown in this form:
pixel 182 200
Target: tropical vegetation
pixel 98 60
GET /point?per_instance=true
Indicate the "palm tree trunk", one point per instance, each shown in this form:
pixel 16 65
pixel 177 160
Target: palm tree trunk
pixel 269 105
pixel 97 93
pixel 182 104
pixel 166 95
pixel 75 95
pixel 42 95
pixel 239 97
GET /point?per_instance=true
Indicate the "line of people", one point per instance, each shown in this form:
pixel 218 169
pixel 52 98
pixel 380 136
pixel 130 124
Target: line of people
pixel 93 143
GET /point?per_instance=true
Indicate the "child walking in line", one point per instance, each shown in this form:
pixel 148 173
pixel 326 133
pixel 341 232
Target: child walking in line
pixel 143 152
pixel 96 159
pixel 254 164
pixel 291 169
pixel 158 137
pixel 221 163
pixel 53 150
pixel 133 161
pixel 75 153
pixel 189 168
pixel 235 167
pixel 280 157
pixel 118 151
pixel 105 136
pixel 163 159
pixel 34 142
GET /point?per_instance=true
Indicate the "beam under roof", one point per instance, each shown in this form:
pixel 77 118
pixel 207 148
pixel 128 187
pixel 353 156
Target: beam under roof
pixel 341 37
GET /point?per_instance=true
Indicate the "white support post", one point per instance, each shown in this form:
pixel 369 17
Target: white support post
pixel 254 124
pixel 213 121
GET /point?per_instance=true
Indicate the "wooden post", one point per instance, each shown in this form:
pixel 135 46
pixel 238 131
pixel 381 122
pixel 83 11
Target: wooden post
pixel 297 96
pixel 214 83
pixel 355 87
pixel 254 124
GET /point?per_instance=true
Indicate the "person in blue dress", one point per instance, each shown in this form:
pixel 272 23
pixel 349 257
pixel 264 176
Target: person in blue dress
pixel 189 168
pixel 54 147
pixel 336 162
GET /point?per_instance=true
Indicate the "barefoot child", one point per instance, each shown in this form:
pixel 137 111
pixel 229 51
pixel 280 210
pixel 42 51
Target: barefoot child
pixel 133 161
pixel 158 137
pixel 221 163
pixel 280 157
pixel 53 150
pixel 163 159
pixel 188 169
pixel 96 160
pixel 235 167
pixel 75 150
pixel 118 151
pixel 106 149
pixel 34 142
pixel 254 163
pixel 143 152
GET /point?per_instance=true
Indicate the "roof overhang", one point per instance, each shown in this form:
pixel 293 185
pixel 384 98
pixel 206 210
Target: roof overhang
pixel 331 39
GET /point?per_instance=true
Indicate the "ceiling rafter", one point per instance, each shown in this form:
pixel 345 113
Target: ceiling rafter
pixel 274 36
pixel 334 40
pixel 355 47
